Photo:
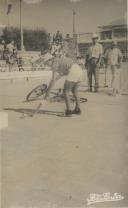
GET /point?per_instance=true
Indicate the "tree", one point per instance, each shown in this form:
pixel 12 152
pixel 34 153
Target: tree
pixel 34 40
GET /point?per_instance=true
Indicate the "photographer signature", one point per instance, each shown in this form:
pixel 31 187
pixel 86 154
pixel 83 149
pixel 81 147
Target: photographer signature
pixel 96 198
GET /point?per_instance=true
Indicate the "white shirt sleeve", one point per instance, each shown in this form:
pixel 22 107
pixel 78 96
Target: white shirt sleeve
pixel 119 53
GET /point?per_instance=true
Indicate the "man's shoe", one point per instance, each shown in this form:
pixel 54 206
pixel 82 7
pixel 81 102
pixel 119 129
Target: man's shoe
pixel 95 90
pixel 68 113
pixel 90 89
pixel 76 111
pixel 105 85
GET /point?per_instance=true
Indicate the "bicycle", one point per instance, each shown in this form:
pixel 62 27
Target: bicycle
pixel 58 96
pixel 40 90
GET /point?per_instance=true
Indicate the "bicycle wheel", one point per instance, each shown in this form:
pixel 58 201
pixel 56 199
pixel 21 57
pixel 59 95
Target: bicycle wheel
pixel 36 92
pixel 82 100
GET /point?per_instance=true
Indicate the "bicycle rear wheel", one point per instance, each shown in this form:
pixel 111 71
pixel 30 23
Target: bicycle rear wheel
pixel 82 100
pixel 36 92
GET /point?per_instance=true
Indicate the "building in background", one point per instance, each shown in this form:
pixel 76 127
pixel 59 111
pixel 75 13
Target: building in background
pixel 117 30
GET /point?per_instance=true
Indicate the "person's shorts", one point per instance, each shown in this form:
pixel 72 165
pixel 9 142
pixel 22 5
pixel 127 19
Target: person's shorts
pixel 75 74
pixel 70 86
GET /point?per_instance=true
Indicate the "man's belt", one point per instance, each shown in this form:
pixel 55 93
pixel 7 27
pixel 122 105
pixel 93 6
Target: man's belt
pixel 93 61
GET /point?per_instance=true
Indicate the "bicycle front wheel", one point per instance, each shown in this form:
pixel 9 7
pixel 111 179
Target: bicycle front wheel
pixel 36 92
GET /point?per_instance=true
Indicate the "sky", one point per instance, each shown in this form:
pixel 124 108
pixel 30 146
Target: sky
pixel 53 15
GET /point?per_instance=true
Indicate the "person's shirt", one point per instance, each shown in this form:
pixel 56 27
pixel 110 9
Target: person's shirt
pixel 113 56
pixel 2 47
pixel 59 36
pixel 56 49
pixel 95 51
pixel 65 66
pixel 62 65
pixel 53 49
pixel 11 47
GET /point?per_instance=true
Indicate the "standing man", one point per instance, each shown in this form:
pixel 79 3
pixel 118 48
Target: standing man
pixel 113 58
pixel 93 59
pixel 65 66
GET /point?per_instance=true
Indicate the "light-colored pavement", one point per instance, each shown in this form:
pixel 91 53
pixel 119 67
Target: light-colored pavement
pixel 51 160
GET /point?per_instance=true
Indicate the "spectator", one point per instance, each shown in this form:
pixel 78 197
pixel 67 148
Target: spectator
pixel 49 38
pixel 11 55
pixel 2 49
pixel 67 37
pixel 56 48
pixel 93 59
pixel 20 63
pixel 113 58
pixel 58 37
pixel 11 47
pixel 54 38
pixel 80 61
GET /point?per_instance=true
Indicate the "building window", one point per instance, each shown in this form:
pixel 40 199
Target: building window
pixel 106 35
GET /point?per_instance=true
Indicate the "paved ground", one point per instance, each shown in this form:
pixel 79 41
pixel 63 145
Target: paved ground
pixel 53 161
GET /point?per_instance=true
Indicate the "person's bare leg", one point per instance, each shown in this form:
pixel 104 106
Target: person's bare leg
pixel 77 99
pixel 75 94
pixel 67 88
pixel 67 99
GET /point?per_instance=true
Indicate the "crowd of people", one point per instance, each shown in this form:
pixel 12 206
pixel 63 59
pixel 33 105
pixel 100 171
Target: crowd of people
pixel 112 57
pixel 9 54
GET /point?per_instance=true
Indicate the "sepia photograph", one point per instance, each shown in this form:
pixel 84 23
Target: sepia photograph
pixel 63 104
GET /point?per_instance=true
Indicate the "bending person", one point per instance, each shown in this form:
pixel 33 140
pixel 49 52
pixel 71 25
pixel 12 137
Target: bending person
pixel 65 66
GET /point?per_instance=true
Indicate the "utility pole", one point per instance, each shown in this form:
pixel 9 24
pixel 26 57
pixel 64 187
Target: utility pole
pixel 8 20
pixel 74 31
pixel 21 28
pixel 74 22
pixel 9 7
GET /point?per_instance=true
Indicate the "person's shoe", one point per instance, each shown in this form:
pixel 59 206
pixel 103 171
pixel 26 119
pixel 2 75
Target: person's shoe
pixel 96 90
pixel 90 89
pixel 105 85
pixel 68 113
pixel 76 111
pixel 114 92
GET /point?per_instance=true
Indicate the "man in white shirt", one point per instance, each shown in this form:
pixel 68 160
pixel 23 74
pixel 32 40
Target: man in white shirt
pixel 93 59
pixel 113 58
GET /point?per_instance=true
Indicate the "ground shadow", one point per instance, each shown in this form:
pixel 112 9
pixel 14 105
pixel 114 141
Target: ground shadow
pixel 30 111
pixel 58 99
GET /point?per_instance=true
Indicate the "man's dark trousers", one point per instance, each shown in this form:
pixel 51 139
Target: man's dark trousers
pixel 93 70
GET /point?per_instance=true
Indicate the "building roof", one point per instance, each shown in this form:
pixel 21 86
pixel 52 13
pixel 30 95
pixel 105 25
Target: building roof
pixel 122 21
pixel 115 23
